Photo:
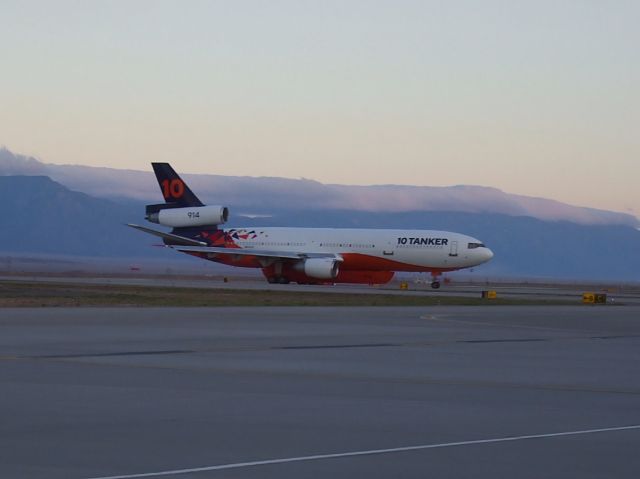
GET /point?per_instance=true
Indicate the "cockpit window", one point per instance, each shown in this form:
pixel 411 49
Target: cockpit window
pixel 476 245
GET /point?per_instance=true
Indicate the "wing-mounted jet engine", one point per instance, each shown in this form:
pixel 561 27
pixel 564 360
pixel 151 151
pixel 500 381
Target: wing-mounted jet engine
pixel 319 268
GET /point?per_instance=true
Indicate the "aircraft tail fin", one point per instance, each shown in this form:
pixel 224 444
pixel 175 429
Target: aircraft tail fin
pixel 175 191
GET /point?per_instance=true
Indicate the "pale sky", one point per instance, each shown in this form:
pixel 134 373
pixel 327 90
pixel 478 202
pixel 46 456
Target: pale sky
pixel 536 98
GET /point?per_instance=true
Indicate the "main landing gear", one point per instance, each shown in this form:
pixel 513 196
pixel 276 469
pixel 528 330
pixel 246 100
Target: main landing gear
pixel 435 280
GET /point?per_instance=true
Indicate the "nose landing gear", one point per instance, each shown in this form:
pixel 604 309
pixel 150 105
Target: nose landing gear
pixel 435 284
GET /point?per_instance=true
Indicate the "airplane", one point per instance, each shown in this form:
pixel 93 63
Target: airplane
pixel 304 255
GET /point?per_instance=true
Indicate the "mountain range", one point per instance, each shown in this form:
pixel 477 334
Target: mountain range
pixel 46 210
pixel 259 195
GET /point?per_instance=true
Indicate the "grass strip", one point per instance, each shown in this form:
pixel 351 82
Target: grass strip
pixel 45 294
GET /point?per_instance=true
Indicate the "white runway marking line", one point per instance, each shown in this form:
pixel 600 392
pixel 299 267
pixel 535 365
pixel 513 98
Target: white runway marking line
pixel 370 452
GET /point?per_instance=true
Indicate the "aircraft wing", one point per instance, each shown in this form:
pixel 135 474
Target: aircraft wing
pixel 188 245
pixel 253 252
pixel 175 238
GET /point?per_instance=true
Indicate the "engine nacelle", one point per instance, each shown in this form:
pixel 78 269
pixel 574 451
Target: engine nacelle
pixel 319 268
pixel 190 216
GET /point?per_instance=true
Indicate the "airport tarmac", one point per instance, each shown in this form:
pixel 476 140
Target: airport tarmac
pixel 477 392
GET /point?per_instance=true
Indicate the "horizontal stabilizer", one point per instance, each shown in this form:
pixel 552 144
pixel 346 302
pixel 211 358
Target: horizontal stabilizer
pixel 171 238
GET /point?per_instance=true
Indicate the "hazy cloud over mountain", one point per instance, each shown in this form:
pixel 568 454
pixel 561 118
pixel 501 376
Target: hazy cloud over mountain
pixel 258 194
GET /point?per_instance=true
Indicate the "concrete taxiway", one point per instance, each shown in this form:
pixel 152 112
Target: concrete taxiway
pixel 524 392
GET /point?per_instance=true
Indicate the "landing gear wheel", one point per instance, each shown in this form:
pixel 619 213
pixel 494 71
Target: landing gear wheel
pixel 435 284
pixel 272 280
pixel 283 280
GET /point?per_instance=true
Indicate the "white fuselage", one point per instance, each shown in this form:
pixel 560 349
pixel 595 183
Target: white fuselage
pixel 403 248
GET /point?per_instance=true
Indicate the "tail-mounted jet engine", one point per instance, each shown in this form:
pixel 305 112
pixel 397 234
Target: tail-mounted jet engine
pixel 319 268
pixel 189 216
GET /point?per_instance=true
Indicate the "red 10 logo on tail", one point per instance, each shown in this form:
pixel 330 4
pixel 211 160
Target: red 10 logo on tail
pixel 172 189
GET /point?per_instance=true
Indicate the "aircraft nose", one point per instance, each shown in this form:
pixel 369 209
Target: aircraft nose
pixel 487 254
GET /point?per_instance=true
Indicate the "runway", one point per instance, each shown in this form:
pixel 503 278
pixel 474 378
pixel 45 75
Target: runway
pixel 483 392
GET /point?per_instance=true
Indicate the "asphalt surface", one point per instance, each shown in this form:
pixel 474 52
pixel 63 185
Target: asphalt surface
pixel 484 392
